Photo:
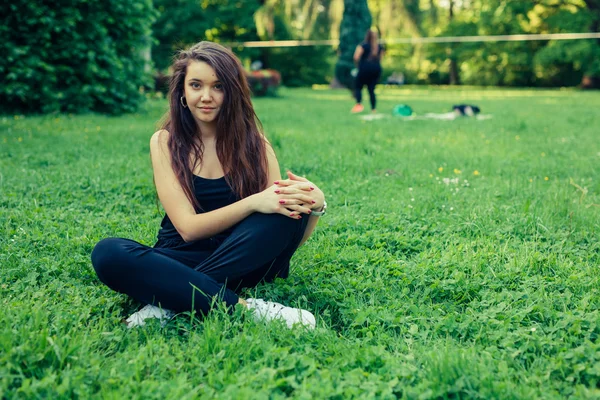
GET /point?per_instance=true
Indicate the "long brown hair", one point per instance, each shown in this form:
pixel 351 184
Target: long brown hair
pixel 240 142
pixel 373 41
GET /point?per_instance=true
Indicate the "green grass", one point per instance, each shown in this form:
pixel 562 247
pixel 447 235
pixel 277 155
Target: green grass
pixel 424 288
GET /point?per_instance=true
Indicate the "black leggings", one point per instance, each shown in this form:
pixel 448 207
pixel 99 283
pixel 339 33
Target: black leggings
pixel 259 249
pixel 367 75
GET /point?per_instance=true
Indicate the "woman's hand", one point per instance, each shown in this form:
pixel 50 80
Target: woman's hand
pixel 297 185
pixel 273 201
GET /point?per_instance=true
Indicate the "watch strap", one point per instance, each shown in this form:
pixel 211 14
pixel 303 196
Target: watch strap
pixel 320 213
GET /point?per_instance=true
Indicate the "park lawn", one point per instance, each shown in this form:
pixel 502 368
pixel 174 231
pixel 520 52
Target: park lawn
pixel 458 259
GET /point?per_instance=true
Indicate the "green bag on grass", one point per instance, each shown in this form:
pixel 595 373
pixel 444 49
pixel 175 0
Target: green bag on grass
pixel 402 110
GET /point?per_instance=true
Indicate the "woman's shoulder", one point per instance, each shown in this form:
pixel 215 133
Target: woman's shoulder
pixel 159 137
pixel 159 142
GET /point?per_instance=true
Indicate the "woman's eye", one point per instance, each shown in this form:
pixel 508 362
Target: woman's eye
pixel 218 86
pixel 195 85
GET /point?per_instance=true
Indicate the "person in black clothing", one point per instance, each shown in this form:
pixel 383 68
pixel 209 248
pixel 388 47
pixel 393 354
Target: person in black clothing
pixel 458 111
pixel 368 58
pixel 231 220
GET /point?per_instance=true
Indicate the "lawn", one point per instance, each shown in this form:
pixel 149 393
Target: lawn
pixel 458 259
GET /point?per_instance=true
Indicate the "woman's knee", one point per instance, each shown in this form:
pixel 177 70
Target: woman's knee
pixel 258 229
pixel 107 255
pixel 275 224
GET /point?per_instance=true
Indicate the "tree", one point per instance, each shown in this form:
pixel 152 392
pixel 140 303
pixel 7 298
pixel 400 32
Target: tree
pixel 82 56
pixel 454 80
pixel 591 76
pixel 355 22
pixel 184 22
pixel 568 63
pixel 302 65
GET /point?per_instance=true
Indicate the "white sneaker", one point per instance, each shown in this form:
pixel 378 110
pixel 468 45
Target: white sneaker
pixel 149 311
pixel 269 310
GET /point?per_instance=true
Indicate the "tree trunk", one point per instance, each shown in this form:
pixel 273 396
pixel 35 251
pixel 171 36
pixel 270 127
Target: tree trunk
pixel 591 80
pixel 454 78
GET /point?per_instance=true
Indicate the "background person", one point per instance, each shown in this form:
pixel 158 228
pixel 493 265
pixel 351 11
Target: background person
pixel 465 110
pixel 459 110
pixel 231 221
pixel 368 58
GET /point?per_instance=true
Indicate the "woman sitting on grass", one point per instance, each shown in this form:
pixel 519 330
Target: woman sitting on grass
pixel 231 221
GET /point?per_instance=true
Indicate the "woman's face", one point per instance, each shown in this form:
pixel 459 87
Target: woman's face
pixel 203 92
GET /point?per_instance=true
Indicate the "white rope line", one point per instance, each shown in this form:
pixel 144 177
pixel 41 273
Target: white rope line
pixel 286 43
pixel 497 38
pixel 443 39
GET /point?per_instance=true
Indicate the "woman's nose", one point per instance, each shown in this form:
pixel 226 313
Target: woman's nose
pixel 205 95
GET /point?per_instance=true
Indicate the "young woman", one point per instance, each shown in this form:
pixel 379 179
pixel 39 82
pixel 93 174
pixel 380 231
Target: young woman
pixel 367 56
pixel 231 220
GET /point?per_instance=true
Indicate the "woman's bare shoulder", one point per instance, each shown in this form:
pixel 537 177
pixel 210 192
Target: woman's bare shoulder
pixel 159 138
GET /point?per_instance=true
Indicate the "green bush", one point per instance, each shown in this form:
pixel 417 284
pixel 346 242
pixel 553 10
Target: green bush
pixel 81 56
pixel 181 23
pixel 264 82
pixel 301 66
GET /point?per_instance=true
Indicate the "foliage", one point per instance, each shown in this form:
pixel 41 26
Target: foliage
pixel 533 63
pixel 457 260
pixel 565 61
pixel 527 63
pixel 264 82
pixel 356 21
pixel 185 22
pixel 299 66
pixel 491 63
pixel 81 56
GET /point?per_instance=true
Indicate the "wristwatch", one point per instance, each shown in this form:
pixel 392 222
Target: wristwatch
pixel 322 212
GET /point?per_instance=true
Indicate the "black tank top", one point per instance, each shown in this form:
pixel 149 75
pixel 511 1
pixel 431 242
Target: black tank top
pixel 211 194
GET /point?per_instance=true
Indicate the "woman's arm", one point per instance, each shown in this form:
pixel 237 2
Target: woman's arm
pixel 274 174
pixel 192 226
pixel 310 227
pixel 358 54
pixel 297 183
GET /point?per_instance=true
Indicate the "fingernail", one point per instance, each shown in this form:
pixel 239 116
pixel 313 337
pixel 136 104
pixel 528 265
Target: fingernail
pixel 314 202
pixel 291 214
pixel 299 216
pixel 309 211
pixel 276 182
pixel 281 201
pixel 277 191
pixel 312 188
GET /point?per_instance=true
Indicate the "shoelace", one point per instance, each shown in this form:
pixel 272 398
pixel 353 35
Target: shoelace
pixel 276 307
pixel 265 307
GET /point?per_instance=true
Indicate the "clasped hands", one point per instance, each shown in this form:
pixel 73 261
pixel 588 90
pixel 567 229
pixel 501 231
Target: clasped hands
pixel 291 197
